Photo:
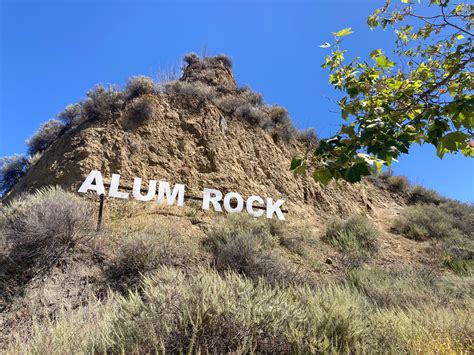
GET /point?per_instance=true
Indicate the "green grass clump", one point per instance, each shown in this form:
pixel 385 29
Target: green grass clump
pixel 245 244
pixel 356 236
pixel 422 222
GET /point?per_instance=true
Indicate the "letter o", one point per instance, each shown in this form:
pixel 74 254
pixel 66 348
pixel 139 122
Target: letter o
pixel 240 202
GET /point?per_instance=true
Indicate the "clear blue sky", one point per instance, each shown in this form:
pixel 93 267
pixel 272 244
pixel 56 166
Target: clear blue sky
pixel 52 52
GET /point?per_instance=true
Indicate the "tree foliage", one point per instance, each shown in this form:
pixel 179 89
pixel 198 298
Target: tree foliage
pixel 423 93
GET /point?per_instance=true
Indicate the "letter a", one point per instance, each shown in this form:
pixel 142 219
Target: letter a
pixel 87 185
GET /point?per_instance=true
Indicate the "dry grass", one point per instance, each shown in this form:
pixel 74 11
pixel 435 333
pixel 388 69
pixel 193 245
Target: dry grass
pixel 229 313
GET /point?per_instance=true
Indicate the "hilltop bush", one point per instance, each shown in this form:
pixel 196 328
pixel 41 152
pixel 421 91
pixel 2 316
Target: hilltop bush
pixel 45 136
pixel 308 137
pixel 140 85
pixel 196 90
pixel 142 109
pixel 103 103
pixel 355 236
pixel 71 116
pixel 419 194
pixel 398 183
pixel 11 169
pixel 224 59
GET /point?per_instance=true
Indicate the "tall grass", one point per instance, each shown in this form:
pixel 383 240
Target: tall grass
pixel 210 312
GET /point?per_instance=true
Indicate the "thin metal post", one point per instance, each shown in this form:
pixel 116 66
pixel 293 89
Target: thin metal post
pixel 101 209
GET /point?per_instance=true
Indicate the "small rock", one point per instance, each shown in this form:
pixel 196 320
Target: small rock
pixel 329 261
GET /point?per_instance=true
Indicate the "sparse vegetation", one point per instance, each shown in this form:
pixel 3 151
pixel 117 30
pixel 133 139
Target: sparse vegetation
pixel 355 236
pixel 449 228
pixel 244 244
pixel 138 86
pixel 72 115
pixel 419 194
pixel 398 183
pixel 422 222
pixel 139 253
pixel 11 169
pixel 39 231
pixel 142 109
pixel 102 103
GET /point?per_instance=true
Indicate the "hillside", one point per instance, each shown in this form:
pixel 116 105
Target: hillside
pixel 374 266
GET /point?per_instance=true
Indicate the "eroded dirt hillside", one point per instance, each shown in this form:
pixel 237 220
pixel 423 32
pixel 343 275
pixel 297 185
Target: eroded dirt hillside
pixel 202 131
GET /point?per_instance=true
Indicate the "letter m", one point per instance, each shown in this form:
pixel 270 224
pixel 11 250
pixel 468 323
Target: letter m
pixel 164 191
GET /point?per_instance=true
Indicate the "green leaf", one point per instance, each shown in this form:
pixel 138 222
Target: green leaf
pixel 343 32
pixel 355 172
pixel 453 140
pixel 383 62
pixel 295 163
pixel 323 176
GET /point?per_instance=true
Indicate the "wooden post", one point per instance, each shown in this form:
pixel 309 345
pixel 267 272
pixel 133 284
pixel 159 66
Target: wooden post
pixel 101 209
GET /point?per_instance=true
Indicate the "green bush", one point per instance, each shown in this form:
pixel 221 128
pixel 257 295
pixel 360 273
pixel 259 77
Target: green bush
pixel 356 236
pixel 422 222
pixel 462 215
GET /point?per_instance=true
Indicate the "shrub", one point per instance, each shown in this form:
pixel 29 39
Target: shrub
pixel 409 287
pixel 72 115
pixel 140 253
pixel 43 226
pixel 196 89
pixel 251 97
pixel 138 86
pixel 102 103
pixel 224 59
pixel 419 194
pixel 398 183
pixel 191 58
pixel 279 123
pixel 244 244
pixel 462 215
pixel 45 136
pixel 308 137
pixel 256 116
pixel 356 236
pixel 422 222
pixel 142 109
pixel 11 169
